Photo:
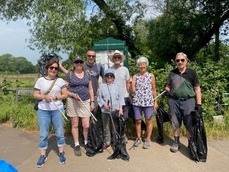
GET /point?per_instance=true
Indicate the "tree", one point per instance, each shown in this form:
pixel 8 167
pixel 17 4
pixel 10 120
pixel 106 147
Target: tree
pixel 11 64
pixel 64 26
pixel 186 26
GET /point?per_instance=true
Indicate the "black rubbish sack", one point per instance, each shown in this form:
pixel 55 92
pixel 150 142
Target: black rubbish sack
pixel 95 139
pixel 161 117
pixel 198 139
pixel 120 139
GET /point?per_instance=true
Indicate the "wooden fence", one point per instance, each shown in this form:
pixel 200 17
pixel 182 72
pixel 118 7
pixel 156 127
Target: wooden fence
pixel 32 78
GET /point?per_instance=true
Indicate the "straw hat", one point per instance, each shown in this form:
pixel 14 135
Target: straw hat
pixel 116 52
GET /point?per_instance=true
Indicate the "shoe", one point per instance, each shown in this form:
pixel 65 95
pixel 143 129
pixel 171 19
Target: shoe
pixel 160 140
pixel 41 161
pixel 137 142
pixel 77 150
pixel 146 144
pixel 62 158
pixel 175 147
pixel 105 146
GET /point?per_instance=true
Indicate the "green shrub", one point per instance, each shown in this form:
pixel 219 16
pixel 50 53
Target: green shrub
pixel 212 76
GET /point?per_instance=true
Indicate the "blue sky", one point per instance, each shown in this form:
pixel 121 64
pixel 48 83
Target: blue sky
pixel 13 36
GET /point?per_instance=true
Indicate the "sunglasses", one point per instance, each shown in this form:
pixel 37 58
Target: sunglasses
pixel 109 75
pixel 77 62
pixel 91 56
pixel 117 57
pixel 178 60
pixel 52 67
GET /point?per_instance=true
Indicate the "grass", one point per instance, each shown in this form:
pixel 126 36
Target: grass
pixel 21 115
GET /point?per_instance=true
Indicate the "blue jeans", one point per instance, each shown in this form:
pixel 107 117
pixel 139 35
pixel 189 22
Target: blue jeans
pixel 45 118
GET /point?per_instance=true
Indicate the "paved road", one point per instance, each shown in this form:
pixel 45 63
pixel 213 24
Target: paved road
pixel 20 149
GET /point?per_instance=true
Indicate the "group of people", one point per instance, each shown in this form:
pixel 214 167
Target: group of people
pixel 83 92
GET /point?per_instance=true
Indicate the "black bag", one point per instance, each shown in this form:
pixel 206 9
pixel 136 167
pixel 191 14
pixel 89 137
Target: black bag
pixel 115 114
pixel 36 105
pixel 198 140
pixel 95 139
pixel 161 117
pixel 120 141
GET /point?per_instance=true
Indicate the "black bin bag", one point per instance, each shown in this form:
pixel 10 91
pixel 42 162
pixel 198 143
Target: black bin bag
pixel 161 117
pixel 198 140
pixel 95 139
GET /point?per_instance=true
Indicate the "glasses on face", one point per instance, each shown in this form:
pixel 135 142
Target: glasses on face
pixel 77 62
pixel 109 75
pixel 178 60
pixel 117 57
pixel 52 67
pixel 93 56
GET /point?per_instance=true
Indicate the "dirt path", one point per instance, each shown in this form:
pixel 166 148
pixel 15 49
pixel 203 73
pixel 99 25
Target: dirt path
pixel 20 149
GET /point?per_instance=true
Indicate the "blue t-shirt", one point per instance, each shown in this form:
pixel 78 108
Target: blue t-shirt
pixel 78 85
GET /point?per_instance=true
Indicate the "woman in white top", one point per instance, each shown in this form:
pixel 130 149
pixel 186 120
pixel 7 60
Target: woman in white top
pixel 49 108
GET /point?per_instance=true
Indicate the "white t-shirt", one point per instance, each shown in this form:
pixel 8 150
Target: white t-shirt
pixel 43 85
pixel 121 76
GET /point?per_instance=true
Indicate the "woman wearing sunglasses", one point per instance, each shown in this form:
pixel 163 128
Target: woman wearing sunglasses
pixel 110 98
pixel 50 90
pixel 80 100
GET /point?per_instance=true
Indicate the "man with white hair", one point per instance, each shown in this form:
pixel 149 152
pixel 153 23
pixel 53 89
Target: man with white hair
pixel 122 77
pixel 184 96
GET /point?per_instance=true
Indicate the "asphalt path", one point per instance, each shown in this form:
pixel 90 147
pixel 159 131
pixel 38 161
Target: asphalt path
pixel 20 148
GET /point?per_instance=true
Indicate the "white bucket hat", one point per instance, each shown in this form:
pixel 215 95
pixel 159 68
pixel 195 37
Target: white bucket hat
pixel 116 52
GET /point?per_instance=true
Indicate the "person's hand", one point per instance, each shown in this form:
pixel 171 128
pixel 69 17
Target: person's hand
pixel 106 106
pixel 92 105
pixel 120 112
pixel 47 98
pixel 155 105
pixel 76 97
pixel 199 108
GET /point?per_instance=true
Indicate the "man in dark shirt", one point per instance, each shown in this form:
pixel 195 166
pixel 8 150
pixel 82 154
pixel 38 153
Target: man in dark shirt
pixel 185 94
pixel 94 70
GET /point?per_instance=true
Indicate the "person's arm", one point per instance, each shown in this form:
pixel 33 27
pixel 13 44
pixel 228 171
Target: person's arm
pixel 134 84
pixel 62 68
pixel 37 94
pixel 198 95
pixel 64 94
pixel 128 86
pixel 90 89
pixel 154 90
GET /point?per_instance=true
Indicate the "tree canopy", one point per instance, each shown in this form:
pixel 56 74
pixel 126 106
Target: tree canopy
pixel 11 64
pixel 181 25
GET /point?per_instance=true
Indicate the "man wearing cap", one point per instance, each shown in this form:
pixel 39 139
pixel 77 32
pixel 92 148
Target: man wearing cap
pixel 122 77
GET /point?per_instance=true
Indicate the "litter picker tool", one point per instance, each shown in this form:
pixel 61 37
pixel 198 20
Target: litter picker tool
pixel 160 94
pixel 62 112
pixel 88 109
